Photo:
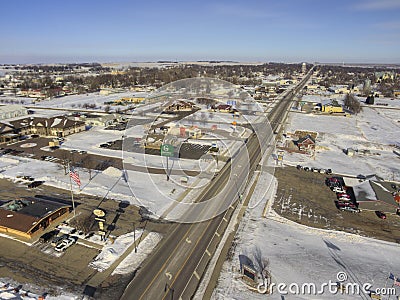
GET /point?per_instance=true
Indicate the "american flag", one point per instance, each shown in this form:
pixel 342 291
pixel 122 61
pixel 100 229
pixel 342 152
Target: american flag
pixel 75 176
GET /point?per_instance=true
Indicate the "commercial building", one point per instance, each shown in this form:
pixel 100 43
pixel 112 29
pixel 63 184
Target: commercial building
pixel 29 216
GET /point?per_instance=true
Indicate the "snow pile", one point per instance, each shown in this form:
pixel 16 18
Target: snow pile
pixel 134 260
pixel 111 253
pixel 113 172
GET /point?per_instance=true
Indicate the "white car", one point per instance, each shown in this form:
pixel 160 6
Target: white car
pixel 65 244
pixel 338 190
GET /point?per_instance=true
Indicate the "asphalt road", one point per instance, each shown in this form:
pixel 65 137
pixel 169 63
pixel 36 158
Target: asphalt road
pixel 166 272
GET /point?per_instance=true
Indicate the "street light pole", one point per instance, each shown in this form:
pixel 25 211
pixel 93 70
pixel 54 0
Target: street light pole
pixel 237 189
pixel 170 289
pixel 134 237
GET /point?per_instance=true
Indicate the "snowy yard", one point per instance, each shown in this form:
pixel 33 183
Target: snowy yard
pixel 300 254
pixel 370 130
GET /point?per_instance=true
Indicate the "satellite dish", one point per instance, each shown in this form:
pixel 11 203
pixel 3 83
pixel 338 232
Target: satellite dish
pixel 99 212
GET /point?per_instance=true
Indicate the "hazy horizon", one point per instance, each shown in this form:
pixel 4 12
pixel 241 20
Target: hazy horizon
pixel 358 31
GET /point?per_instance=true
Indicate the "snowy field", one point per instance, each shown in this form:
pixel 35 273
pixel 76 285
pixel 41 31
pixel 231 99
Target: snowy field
pixel 74 101
pixel 300 254
pixel 372 130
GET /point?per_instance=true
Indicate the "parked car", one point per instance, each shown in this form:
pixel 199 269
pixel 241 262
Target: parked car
pixel 343 195
pixel 82 151
pixel 64 244
pixel 58 239
pixel 7 151
pixel 350 209
pixel 328 171
pixel 35 184
pixel 54 148
pixel 380 214
pixel 46 237
pixel 34 136
pixel 346 206
pixel 337 189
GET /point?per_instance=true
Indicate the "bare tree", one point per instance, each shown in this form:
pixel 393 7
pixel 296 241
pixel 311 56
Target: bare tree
pixel 83 222
pixel 352 103
pixel 262 264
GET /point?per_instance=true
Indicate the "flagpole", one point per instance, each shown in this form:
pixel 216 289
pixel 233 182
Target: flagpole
pixel 70 184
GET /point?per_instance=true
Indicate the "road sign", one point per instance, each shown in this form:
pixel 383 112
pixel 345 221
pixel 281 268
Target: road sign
pixel 167 150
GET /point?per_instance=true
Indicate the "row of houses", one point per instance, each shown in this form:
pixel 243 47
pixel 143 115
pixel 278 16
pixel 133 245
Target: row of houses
pixel 59 126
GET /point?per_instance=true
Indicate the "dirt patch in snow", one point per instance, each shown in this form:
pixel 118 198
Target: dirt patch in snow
pixel 304 198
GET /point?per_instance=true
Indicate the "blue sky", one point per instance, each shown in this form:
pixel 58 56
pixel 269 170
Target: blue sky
pixel 147 30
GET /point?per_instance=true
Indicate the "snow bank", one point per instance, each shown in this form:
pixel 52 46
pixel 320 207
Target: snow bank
pixel 134 260
pixel 111 253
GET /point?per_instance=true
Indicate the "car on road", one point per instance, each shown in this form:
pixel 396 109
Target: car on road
pixel 380 214
pixel 65 244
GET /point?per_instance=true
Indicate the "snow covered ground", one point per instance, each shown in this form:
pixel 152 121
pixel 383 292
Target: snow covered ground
pixel 300 254
pixel 370 130
pixel 9 290
pixel 110 253
pixel 134 259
